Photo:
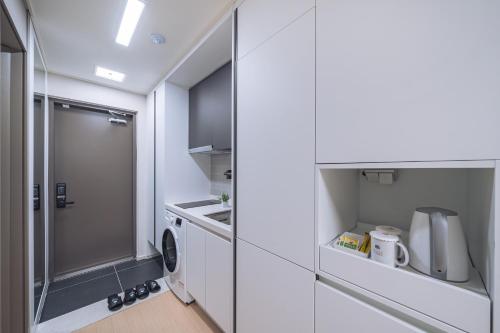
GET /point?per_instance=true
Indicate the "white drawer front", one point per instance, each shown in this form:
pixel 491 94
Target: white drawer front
pixel 339 312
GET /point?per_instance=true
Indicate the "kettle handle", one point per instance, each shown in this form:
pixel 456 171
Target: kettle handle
pixel 439 244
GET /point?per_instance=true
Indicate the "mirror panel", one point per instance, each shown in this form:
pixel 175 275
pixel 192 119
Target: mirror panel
pixel 39 181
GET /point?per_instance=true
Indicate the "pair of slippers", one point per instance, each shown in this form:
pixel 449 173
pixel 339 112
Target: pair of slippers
pixel 140 291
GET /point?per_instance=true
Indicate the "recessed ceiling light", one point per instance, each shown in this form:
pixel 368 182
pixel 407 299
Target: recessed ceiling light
pixel 109 74
pixel 157 39
pixel 130 18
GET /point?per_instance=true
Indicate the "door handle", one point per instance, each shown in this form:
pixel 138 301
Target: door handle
pixel 36 197
pixel 61 196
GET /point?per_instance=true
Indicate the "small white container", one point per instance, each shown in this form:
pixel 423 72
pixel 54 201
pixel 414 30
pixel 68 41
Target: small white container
pixel 385 249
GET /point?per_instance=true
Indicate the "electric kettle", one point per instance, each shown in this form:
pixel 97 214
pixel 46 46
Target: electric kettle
pixel 437 244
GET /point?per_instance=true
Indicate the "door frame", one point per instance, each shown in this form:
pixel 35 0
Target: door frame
pixel 91 107
pixel 14 197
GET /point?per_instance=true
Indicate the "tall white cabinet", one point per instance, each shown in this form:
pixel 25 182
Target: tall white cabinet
pixel 408 86
pixel 331 88
pixel 275 140
pixel 275 166
pixel 407 82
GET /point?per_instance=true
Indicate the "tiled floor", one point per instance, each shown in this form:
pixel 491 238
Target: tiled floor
pixel 79 291
pixel 92 313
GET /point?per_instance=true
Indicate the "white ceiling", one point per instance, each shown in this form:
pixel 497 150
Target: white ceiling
pixel 77 35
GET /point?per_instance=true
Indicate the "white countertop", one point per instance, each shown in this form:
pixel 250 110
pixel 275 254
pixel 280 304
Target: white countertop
pixel 197 215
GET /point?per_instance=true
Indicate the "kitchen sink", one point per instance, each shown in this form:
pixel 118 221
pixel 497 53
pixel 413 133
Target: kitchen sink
pixel 222 217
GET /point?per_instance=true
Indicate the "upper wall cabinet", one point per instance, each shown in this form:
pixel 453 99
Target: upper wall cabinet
pixel 210 112
pixel 410 82
pixel 275 125
pixel 258 20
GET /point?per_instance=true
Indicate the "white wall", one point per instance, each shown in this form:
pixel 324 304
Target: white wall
pixel 69 88
pixel 218 182
pixel 186 176
pixel 65 87
pixel 39 82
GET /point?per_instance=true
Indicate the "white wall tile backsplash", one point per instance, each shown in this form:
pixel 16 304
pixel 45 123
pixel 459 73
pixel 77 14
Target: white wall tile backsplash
pixel 218 182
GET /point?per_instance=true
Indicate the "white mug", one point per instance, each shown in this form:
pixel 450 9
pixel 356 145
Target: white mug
pixel 384 249
pixel 388 230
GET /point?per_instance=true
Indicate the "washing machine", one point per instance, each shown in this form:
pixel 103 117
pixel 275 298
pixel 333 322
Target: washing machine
pixel 173 245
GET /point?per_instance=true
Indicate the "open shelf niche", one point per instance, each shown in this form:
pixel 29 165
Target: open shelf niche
pixel 347 201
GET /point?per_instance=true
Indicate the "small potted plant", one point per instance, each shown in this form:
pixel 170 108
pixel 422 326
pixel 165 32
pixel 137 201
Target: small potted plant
pixel 224 198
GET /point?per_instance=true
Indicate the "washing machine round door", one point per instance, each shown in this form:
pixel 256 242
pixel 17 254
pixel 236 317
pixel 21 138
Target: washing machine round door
pixel 170 247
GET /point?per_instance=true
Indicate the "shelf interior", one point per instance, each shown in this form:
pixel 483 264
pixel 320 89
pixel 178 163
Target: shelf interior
pixel 346 197
pixel 474 284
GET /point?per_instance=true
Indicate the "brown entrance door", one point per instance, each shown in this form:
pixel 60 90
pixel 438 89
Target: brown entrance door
pixel 94 158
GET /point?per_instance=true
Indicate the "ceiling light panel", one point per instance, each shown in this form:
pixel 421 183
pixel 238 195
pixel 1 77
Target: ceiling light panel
pixel 109 74
pixel 131 16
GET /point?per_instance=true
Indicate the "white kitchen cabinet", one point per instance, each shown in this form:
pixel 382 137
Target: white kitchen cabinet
pixel 337 311
pixel 347 201
pixel 209 274
pixel 407 82
pixel 258 20
pixel 195 263
pixel 219 281
pixel 273 294
pixel 276 140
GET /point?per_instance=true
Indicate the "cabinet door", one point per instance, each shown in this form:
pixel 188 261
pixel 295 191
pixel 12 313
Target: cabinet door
pixel 210 110
pixel 398 82
pixel 272 294
pixel 339 312
pixel 219 281
pixel 195 263
pixel 200 122
pixel 276 140
pixel 221 117
pixel 258 20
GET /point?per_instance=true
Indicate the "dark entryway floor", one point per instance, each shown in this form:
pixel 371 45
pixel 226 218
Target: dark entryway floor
pixel 71 294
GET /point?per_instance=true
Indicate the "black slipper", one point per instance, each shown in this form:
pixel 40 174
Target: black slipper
pixel 142 291
pixel 153 286
pixel 129 297
pixel 114 302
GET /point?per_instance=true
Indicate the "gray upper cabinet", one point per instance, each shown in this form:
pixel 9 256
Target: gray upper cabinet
pixel 210 111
